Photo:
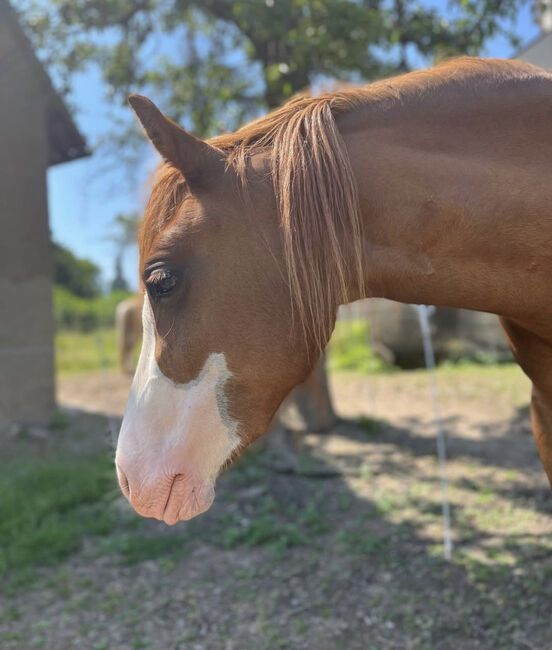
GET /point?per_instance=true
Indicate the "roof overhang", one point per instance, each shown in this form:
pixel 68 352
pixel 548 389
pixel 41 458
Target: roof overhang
pixel 538 51
pixel 65 142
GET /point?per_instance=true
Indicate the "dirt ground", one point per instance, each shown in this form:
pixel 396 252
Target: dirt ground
pixel 336 545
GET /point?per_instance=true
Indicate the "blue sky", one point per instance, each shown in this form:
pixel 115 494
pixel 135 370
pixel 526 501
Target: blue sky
pixel 84 196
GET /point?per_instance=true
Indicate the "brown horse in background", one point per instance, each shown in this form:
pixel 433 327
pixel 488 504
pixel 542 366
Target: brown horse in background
pixel 434 187
pixel 128 323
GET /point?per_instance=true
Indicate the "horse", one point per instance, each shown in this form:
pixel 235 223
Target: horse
pixel 310 400
pixel 128 323
pixel 432 188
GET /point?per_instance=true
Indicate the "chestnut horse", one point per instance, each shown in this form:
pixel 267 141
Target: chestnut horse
pixel 434 187
pixel 128 323
pixel 311 399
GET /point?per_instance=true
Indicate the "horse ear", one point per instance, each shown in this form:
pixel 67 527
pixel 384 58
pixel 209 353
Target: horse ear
pixel 193 157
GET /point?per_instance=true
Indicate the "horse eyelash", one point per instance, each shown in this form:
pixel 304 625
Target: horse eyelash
pixel 156 276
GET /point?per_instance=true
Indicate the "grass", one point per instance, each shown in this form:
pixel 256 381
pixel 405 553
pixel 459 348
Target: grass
pixel 86 351
pixel 263 530
pixel 135 547
pixel 49 506
pixel 378 533
pixel 349 349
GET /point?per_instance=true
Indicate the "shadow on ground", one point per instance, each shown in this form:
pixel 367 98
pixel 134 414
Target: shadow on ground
pixel 330 542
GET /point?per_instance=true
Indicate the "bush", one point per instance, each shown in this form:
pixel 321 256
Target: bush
pixel 349 349
pixel 85 314
pixel 76 274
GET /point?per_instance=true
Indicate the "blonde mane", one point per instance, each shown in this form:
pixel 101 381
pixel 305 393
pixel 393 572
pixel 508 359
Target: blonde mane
pixel 317 197
pixel 314 183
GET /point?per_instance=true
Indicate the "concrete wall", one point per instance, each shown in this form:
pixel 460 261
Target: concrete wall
pixel 27 390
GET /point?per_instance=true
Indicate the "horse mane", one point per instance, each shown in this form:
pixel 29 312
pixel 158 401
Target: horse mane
pixel 314 183
pixel 317 198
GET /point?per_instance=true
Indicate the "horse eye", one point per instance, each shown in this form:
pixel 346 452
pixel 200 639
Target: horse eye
pixel 161 283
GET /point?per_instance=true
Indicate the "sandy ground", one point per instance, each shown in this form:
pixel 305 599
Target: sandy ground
pixel 368 497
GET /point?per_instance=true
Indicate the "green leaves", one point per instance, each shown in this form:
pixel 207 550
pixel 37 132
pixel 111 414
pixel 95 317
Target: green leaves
pixel 78 275
pixel 214 64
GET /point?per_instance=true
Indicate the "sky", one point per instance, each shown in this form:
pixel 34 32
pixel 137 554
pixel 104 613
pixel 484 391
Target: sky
pixel 84 196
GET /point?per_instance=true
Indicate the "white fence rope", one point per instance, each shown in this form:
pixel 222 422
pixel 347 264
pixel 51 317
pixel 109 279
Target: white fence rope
pixel 423 315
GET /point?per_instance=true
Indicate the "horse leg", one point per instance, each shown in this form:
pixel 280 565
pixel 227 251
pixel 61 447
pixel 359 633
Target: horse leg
pixel 126 359
pixel 311 401
pixel 127 342
pixel 534 355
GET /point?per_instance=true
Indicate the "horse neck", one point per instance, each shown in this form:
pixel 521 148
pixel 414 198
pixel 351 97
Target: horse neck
pixel 451 207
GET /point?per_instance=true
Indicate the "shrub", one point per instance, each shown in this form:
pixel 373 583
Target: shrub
pixel 85 314
pixel 349 349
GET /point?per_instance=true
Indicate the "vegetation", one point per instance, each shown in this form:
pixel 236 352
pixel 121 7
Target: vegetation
pixel 48 506
pixel 124 235
pixel 236 57
pixel 349 348
pixel 338 561
pixel 86 351
pixel 85 315
pixel 76 275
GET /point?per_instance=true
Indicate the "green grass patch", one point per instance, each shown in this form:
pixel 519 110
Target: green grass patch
pixel 359 542
pixel 263 530
pixel 275 527
pixel 133 548
pixel 369 425
pixel 48 506
pixel 86 351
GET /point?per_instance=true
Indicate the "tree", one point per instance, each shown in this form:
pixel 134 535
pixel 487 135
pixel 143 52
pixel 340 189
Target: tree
pixel 79 275
pixel 123 235
pixel 214 63
pixel 119 282
pixel 125 231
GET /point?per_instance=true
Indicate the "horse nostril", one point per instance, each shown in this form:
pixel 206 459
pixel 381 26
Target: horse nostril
pixel 123 482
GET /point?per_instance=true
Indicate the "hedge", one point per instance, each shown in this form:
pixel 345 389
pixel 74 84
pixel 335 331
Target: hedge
pixel 85 314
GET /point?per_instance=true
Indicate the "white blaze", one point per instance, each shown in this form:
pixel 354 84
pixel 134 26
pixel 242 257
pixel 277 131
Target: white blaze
pixel 172 429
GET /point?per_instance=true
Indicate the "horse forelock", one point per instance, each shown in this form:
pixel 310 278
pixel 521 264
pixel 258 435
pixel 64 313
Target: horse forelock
pixel 169 189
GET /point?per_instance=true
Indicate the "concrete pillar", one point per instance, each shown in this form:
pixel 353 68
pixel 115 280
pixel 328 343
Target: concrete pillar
pixel 27 389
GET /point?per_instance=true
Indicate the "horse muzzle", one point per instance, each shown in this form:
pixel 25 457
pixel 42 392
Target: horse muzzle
pixel 170 498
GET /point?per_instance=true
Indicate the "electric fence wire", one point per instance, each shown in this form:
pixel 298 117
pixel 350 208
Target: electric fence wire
pixel 423 316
